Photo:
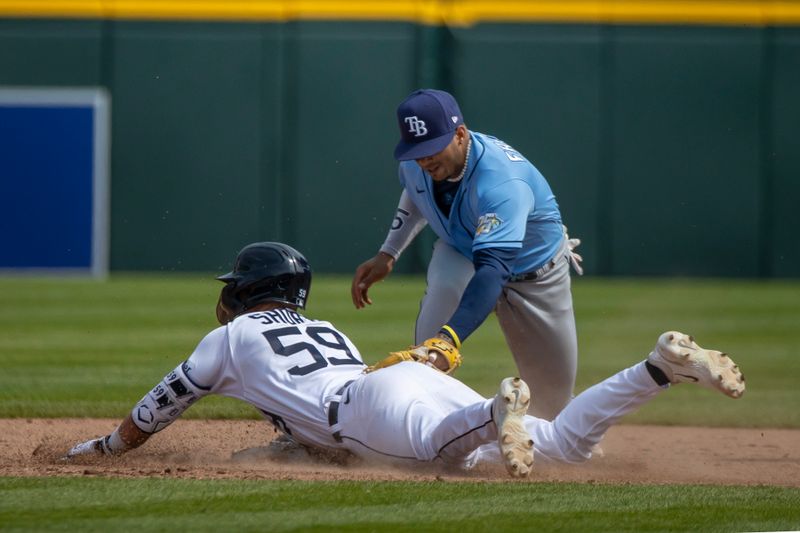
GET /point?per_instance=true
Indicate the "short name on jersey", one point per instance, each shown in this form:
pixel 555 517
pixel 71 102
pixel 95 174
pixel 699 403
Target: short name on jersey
pixel 279 316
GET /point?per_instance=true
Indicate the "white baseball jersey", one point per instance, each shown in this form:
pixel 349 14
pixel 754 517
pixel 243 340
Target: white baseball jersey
pixel 307 378
pixel 286 365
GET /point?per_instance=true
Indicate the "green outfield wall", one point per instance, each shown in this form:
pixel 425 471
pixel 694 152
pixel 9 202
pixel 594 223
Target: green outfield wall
pixel 671 144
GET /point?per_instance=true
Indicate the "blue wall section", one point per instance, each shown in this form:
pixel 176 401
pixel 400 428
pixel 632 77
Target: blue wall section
pixel 46 166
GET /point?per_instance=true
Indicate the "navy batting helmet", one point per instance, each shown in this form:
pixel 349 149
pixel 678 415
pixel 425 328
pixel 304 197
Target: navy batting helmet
pixel 264 272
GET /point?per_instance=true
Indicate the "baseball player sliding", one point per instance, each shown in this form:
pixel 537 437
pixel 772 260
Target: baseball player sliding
pixel 309 380
pixel 501 245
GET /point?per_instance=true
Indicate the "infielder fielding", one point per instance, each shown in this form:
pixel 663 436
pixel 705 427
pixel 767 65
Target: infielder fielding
pixel 309 380
pixel 501 245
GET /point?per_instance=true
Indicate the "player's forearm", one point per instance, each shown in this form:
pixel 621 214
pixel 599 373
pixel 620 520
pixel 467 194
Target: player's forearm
pixel 477 302
pixel 492 271
pixel 164 404
pixel 125 438
pixel 406 225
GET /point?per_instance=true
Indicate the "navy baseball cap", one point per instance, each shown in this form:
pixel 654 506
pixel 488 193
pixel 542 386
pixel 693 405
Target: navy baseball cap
pixel 428 119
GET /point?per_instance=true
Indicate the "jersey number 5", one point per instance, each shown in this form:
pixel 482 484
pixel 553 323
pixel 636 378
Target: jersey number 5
pixel 316 333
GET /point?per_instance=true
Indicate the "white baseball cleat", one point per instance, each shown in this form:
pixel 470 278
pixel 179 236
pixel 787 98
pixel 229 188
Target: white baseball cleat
pixel 516 446
pixel 683 361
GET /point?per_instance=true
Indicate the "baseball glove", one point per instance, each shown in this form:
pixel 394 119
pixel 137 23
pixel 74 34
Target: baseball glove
pixel 435 352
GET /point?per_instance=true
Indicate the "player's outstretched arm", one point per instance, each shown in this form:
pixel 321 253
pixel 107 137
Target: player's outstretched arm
pixel 159 408
pixel 369 272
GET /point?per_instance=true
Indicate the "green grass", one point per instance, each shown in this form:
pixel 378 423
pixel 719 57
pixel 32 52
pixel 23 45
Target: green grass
pixel 75 347
pixel 72 347
pixel 89 504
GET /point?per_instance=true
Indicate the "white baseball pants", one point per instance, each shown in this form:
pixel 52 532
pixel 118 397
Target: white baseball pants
pixel 411 412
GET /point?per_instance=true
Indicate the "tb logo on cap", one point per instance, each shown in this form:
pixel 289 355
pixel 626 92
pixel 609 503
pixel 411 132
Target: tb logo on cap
pixel 416 126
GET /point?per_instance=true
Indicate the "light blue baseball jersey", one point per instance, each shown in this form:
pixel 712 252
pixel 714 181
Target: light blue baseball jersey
pixel 503 202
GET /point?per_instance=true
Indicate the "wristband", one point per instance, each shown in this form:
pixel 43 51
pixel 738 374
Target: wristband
pixel 452 334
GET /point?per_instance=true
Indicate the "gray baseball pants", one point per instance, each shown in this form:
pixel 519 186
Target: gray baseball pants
pixel 536 317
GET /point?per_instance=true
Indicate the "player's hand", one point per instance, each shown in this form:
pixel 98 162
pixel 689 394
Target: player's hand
pixel 93 447
pixel 367 273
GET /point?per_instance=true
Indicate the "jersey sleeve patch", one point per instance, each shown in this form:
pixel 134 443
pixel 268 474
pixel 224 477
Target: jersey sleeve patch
pixel 487 223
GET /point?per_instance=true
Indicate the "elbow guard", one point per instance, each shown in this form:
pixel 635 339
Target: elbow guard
pixel 167 401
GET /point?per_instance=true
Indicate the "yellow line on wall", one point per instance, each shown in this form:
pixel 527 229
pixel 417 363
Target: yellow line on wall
pixel 453 12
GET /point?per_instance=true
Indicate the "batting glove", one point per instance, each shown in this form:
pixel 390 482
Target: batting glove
pixel 575 259
pixel 95 447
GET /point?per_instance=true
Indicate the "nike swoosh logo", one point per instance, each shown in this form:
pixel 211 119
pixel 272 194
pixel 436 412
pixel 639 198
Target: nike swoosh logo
pixel 516 397
pixel 692 378
pixel 420 191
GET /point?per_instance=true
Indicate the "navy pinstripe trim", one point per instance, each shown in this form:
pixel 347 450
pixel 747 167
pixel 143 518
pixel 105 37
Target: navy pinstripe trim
pixel 185 367
pixel 333 410
pixel 463 435
pixel 378 451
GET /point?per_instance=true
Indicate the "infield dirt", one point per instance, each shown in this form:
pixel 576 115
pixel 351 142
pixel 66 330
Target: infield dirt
pixel 208 449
